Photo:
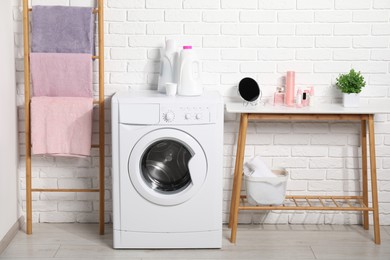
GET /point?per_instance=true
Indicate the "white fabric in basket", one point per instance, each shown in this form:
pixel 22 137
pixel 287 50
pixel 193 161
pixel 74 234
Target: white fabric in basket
pixel 257 168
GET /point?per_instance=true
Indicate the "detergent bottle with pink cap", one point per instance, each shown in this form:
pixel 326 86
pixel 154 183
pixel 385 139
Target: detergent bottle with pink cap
pixel 189 83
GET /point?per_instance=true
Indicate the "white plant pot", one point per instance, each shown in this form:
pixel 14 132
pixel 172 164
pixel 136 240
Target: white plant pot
pixel 351 100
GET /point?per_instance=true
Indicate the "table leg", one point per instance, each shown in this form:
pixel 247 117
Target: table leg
pixel 364 171
pixel 374 190
pixel 236 173
pixel 238 177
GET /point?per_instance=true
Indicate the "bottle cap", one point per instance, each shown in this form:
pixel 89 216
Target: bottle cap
pixel 170 44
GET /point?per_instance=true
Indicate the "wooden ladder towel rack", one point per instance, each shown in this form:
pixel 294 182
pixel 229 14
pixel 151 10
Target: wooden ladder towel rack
pixel 100 102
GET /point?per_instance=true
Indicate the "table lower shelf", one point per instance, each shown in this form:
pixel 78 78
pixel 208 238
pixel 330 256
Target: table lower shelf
pixel 336 203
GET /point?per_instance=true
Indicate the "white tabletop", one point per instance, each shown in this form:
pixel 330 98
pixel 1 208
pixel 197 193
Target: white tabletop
pixel 239 107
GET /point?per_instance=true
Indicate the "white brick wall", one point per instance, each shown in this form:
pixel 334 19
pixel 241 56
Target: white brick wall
pixel 257 38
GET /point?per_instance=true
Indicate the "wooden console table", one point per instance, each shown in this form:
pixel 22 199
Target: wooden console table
pixel 330 112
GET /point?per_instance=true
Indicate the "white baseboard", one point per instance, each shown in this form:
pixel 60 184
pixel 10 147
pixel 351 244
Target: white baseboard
pixel 10 235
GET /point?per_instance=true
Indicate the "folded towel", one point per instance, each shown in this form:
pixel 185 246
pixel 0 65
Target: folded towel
pixel 62 29
pixel 61 74
pixel 61 126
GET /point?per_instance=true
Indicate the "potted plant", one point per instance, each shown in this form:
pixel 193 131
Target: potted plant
pixel 351 85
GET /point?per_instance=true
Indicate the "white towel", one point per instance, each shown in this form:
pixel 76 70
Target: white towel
pixel 257 168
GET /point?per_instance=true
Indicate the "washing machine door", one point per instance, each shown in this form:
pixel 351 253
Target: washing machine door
pixel 167 166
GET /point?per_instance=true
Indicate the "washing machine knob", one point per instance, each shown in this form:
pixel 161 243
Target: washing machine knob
pixel 188 116
pixel 198 116
pixel 169 116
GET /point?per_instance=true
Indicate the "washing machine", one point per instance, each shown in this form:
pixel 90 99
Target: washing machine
pixel 167 170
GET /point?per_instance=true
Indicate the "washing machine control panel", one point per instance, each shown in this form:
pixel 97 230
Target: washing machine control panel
pixel 186 114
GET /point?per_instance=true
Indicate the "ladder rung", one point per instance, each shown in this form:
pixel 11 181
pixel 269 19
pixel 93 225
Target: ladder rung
pixel 95 101
pixel 95 10
pixel 65 190
pixel 94 57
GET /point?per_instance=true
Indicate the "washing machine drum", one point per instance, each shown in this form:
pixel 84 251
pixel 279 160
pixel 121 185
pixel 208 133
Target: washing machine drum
pixel 165 166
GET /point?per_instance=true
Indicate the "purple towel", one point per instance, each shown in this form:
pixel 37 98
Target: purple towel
pixel 62 29
pixel 61 74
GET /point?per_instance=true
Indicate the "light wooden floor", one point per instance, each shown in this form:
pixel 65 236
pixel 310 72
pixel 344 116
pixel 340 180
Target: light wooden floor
pixel 81 241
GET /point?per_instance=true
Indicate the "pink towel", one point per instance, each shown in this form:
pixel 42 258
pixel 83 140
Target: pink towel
pixel 61 125
pixel 61 74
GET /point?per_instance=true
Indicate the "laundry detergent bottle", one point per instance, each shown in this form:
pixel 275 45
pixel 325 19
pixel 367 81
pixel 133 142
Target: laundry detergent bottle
pixel 168 65
pixel 189 83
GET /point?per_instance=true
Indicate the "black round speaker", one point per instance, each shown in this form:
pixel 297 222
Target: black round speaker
pixel 249 89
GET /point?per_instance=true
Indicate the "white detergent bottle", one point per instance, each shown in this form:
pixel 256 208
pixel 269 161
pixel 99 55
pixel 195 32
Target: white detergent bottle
pixel 189 83
pixel 168 65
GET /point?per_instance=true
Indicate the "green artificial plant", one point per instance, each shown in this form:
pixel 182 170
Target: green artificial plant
pixel 353 82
